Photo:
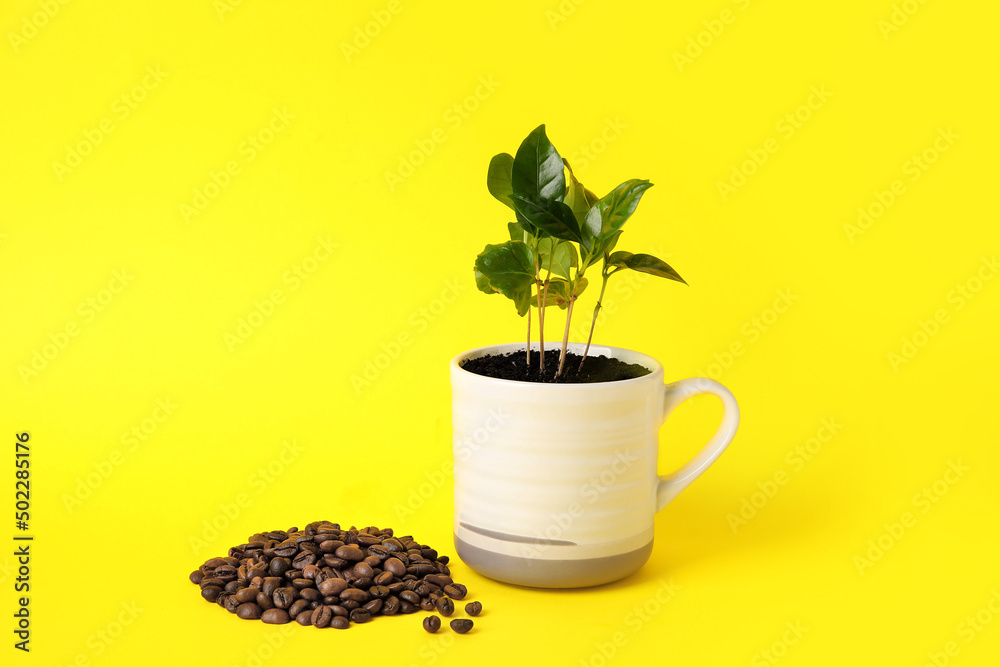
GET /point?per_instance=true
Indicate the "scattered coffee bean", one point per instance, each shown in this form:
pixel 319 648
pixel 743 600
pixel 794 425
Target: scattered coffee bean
pixel 432 624
pixel 298 607
pixel 457 591
pixel 445 606
pixel 326 576
pixel 474 608
pixel 361 615
pixel 461 625
pixel 249 611
pixel 321 617
pixel 211 593
pixel 275 616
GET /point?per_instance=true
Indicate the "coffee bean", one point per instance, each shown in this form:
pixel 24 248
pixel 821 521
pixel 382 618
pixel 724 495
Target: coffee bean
pixel 271 584
pixel 351 553
pixel 361 615
pixel 333 587
pixel 445 606
pixel 286 549
pixel 392 544
pixel 332 561
pixel 211 593
pixel 461 625
pixel 249 611
pixel 378 551
pixel 328 576
pixel 355 594
pixel 394 566
pixel 439 580
pixel 247 595
pixel 275 616
pixel 329 546
pixel 298 607
pixel 456 591
pixel 432 624
pixel 279 566
pixel 391 606
pixel 321 617
pixel 378 592
pixel 284 597
pixel 304 558
pixel 474 608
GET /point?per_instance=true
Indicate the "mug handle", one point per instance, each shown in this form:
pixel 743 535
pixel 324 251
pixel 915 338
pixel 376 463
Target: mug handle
pixel 671 485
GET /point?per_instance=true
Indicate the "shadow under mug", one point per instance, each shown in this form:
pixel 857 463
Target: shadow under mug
pixel 556 485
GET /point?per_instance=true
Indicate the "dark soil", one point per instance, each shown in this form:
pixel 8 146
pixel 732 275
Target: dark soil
pixel 513 367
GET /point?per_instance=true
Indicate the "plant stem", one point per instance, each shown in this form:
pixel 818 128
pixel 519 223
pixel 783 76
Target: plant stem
pixel 593 322
pixel 527 347
pixel 569 316
pixel 541 317
pixel 545 300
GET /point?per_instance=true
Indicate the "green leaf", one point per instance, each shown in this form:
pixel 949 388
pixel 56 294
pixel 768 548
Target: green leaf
pixel 580 199
pixel 558 294
pixel 619 259
pixel 554 218
pixel 483 283
pixel 509 269
pixel 603 245
pixel 498 177
pixel 563 256
pixel 538 169
pixel 645 264
pixel 614 208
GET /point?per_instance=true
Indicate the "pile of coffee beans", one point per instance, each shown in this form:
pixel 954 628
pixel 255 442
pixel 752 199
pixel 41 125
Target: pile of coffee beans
pixel 328 577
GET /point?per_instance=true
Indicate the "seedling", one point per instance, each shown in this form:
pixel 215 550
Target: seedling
pixel 561 230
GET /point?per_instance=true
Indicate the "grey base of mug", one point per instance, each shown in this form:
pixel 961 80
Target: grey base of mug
pixel 541 573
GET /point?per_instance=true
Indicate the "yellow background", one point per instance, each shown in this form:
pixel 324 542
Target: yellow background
pixel 606 78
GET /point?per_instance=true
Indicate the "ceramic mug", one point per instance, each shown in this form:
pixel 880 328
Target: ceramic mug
pixel 556 485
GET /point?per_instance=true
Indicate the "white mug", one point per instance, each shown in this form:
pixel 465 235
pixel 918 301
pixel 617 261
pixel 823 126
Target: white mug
pixel 556 485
